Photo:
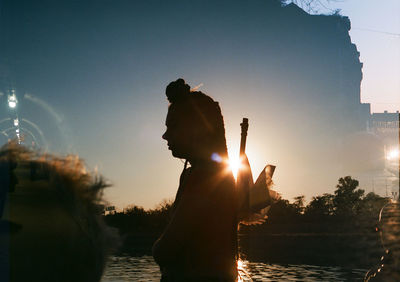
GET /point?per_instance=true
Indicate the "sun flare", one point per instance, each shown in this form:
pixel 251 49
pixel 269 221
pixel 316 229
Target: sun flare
pixel 234 165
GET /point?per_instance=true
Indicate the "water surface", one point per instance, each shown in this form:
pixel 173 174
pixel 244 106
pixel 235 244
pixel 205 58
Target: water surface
pixel 143 268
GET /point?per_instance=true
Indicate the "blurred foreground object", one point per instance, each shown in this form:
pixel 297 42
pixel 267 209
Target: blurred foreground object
pixel 389 229
pixel 51 227
pixel 254 199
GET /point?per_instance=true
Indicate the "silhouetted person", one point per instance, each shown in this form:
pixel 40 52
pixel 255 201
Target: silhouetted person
pixel 388 269
pixel 199 243
pixel 52 229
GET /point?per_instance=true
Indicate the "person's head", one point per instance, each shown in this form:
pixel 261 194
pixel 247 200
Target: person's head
pixel 51 228
pixel 389 227
pixel 195 126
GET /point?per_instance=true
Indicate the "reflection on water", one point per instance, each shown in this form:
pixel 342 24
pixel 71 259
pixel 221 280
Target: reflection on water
pixel 130 268
pixel 274 272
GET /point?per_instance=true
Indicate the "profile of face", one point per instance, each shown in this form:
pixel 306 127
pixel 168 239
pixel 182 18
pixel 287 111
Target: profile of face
pixel 194 123
pixel 180 135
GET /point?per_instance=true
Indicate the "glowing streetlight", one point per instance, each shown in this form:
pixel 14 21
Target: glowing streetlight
pixel 12 101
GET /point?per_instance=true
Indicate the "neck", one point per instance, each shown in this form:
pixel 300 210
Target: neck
pixel 199 163
pixel 206 159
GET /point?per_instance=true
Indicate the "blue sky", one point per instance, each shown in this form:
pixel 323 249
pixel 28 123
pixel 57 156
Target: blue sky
pixel 102 67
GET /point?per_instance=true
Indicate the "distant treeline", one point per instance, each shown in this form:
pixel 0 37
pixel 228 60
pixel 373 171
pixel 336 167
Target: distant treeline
pixel 135 219
pixel 347 210
pixel 332 229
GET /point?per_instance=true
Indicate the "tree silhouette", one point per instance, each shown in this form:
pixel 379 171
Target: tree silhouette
pixel 299 204
pixel 282 211
pixel 320 206
pixel 371 205
pixel 348 198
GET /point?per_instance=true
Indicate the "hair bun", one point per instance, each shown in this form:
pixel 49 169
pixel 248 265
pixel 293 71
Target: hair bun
pixel 177 90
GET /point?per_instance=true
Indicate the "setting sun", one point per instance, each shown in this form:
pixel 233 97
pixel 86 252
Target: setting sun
pixel 234 165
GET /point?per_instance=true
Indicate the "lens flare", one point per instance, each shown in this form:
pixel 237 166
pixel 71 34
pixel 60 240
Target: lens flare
pixel 216 157
pixel 12 101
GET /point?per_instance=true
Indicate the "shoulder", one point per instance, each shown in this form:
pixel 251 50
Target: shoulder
pixel 210 185
pixel 213 176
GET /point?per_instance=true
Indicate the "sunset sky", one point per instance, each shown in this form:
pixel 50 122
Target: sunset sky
pixel 97 72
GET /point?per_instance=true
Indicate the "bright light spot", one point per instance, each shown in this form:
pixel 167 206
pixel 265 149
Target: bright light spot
pixel 12 101
pixel 16 122
pixel 240 264
pixel 242 273
pixel 393 154
pixel 235 165
pixel 17 130
pixel 240 270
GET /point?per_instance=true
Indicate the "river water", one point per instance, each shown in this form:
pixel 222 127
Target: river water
pixel 143 268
